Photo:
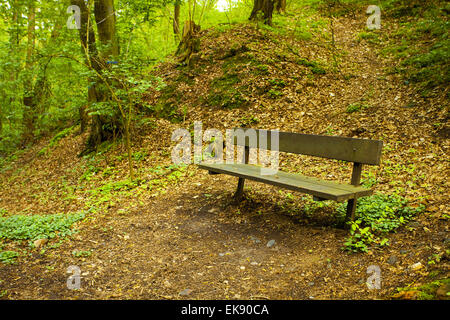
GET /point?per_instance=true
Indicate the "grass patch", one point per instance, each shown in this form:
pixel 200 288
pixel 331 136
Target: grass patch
pixel 370 37
pixel 421 44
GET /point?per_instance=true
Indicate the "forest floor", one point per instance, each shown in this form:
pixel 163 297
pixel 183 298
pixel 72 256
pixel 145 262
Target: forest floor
pixel 177 233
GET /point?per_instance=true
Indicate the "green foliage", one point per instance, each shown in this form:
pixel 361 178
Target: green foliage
pixel 81 253
pixel 139 155
pixel 262 69
pixel 421 43
pixel 356 107
pixel 377 215
pixel 368 179
pixel 248 121
pixel 313 65
pixel 426 291
pixel 370 36
pixel 8 257
pixel 21 227
pixel 274 93
pixel 3 212
pixel 278 83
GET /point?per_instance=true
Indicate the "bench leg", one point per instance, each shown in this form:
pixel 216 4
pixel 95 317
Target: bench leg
pixel 240 189
pixel 351 208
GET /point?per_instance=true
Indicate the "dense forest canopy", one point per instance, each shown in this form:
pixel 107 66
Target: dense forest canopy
pixel 48 84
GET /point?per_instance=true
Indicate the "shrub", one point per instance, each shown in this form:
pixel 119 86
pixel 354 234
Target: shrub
pixel 376 216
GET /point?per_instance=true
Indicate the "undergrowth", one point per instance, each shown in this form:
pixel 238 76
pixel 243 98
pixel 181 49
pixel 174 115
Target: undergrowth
pixel 377 215
pixel 21 227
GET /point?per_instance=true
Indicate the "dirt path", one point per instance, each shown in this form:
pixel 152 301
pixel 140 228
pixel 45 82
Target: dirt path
pixel 185 242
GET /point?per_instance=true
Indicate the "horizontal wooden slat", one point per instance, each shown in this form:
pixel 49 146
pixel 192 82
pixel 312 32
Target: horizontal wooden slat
pixel 332 147
pixel 319 188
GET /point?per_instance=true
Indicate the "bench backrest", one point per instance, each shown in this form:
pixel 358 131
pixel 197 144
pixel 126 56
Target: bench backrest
pixel 357 150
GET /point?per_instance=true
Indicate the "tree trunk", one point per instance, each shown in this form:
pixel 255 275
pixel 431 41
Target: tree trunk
pixel 28 101
pixel 266 7
pixel 89 50
pixel 176 18
pixel 190 43
pixel 280 6
pixel 106 27
pixel 102 127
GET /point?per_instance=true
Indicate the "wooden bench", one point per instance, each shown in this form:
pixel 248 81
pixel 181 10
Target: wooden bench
pixel 358 151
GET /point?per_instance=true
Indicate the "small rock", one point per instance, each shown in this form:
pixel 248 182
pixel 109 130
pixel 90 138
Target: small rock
pixel 270 243
pixel 40 242
pixel 416 266
pixel 254 239
pixel 392 260
pixel 185 292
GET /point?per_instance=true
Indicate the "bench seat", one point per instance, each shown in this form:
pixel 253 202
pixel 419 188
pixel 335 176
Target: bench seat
pixel 322 189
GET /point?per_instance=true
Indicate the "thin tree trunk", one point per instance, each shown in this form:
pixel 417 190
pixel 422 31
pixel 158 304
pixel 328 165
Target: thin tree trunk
pixel 14 40
pixel 176 18
pixel 28 101
pixel 89 50
pixel 280 6
pixel 106 27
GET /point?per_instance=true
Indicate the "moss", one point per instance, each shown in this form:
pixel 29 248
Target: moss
pixel 262 69
pixel 273 93
pixel 312 65
pixel 225 92
pixel 167 105
pixel 427 291
pixel 370 37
